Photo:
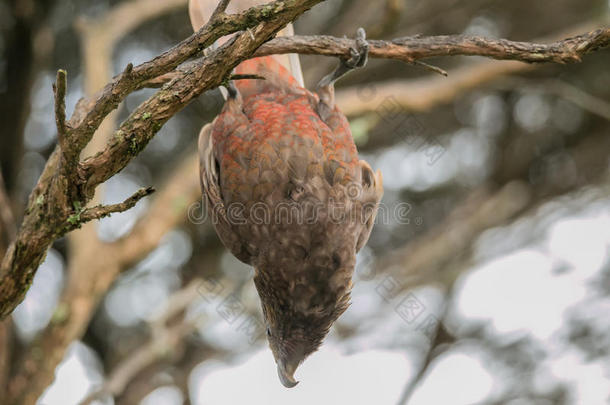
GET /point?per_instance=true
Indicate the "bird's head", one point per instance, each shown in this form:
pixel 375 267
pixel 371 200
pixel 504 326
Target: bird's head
pixel 298 315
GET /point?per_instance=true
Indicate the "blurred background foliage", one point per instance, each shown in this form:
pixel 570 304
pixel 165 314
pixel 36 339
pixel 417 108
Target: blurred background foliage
pixel 495 224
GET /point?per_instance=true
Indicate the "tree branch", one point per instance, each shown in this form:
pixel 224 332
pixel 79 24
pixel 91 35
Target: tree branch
pixel 59 89
pixel 421 94
pixel 427 92
pixel 101 211
pixel 410 49
pixel 54 197
pixel 83 293
pixel 220 9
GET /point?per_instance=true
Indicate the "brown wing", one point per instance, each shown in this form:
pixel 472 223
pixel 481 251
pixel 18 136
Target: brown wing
pixel 212 195
pixel 372 191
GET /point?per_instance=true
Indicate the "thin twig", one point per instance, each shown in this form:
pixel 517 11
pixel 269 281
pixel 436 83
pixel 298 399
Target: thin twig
pixel 220 9
pixel 59 89
pixel 101 211
pixel 431 68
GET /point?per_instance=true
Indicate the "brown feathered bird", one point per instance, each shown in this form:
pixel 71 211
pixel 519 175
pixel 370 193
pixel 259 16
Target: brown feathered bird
pixel 288 195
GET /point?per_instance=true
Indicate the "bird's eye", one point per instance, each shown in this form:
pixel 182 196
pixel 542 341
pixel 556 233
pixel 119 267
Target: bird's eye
pixel 268 331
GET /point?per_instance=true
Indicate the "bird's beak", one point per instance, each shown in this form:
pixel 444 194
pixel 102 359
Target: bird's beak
pixel 285 371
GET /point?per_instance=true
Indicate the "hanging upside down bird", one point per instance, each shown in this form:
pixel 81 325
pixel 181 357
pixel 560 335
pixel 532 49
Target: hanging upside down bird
pixel 287 193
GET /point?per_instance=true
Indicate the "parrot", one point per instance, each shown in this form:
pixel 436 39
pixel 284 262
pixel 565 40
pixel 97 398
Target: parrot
pixel 287 193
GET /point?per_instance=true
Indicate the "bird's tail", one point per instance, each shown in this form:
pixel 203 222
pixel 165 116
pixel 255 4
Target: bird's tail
pixel 285 68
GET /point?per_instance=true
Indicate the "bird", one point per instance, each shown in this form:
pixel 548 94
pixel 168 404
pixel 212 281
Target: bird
pixel 287 192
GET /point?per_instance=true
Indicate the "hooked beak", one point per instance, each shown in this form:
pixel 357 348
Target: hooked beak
pixel 285 371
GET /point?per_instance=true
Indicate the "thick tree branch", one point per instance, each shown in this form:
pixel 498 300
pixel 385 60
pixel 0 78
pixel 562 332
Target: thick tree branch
pixel 54 197
pixel 421 94
pixel 410 49
pixel 82 294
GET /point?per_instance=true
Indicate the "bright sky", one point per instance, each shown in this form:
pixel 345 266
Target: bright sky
pixel 326 377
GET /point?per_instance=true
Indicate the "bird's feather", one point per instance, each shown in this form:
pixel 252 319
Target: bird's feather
pixel 287 194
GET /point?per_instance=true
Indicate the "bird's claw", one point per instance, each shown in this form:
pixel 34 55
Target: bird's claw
pixel 231 89
pixel 358 57
pixel 359 53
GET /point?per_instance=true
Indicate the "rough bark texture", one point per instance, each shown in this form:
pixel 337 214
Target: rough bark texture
pixel 423 94
pixel 410 49
pixel 55 204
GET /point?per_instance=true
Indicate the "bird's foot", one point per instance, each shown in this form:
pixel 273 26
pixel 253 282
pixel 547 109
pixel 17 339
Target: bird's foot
pixel 359 53
pixel 326 89
pixel 232 91
pixel 358 58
